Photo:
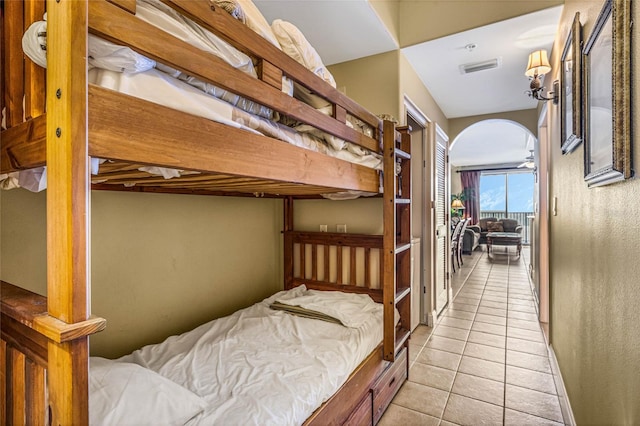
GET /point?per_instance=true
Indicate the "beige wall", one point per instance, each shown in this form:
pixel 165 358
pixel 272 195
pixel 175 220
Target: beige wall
pixel 372 82
pixel 527 117
pixel 595 290
pixel 161 264
pixel 388 11
pixel 412 86
pixel 424 20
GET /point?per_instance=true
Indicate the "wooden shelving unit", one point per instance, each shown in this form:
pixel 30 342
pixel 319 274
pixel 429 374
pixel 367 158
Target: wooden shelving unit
pixel 397 239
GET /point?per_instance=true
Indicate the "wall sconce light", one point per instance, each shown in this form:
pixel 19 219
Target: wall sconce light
pixel 537 67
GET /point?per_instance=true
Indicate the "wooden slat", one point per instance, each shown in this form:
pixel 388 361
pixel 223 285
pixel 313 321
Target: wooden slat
pixel 34 75
pixel 119 26
pixel 367 265
pixel 128 5
pixel 24 146
pixel 338 239
pixel 339 279
pixel 270 74
pixel 27 340
pixel 327 262
pixel 17 389
pixel 3 382
pixel 288 243
pixel 125 128
pixel 36 406
pixel 314 262
pixel 13 28
pixel 303 261
pixel 68 198
pixel 243 38
pixel 352 266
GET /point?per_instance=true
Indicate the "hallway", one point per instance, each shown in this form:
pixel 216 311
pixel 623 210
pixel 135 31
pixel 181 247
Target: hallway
pixel 486 361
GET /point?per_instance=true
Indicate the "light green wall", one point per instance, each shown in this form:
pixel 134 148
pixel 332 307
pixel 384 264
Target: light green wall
pixel 595 277
pixel 161 263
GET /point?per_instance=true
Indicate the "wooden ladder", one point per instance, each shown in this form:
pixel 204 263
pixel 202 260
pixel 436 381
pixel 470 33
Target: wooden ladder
pixel 397 238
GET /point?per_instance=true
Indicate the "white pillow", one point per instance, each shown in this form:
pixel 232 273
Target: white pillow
pixel 122 393
pixel 294 44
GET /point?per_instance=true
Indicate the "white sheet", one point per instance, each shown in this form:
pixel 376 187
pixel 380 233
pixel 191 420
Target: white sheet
pixel 261 366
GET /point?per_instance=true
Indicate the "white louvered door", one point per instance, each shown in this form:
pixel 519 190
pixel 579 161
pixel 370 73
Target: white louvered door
pixel 442 229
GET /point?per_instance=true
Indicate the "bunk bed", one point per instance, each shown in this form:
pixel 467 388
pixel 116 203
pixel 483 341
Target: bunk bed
pixel 56 118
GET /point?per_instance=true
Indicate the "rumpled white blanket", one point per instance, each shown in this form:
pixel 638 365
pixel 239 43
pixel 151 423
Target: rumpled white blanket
pixel 260 366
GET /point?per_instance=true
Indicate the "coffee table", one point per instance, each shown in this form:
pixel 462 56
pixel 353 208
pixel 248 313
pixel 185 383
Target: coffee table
pixel 504 239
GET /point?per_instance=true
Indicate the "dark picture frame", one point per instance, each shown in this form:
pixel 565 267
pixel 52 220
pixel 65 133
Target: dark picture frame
pixel 606 82
pixel 571 89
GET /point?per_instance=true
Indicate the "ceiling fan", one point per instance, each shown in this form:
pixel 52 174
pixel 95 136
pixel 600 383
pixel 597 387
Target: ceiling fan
pixel 528 161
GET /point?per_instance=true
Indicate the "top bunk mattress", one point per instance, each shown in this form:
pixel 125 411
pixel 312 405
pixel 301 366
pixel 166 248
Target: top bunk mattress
pixel 268 367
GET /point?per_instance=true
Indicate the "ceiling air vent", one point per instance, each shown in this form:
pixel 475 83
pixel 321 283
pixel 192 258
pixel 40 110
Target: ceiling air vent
pixel 480 66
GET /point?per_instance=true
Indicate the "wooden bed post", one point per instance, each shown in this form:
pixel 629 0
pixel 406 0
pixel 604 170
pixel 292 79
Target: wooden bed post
pixel 68 198
pixel 288 243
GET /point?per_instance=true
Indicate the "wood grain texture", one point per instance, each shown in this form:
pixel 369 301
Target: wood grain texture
pixel 34 75
pixel 17 389
pixel 24 145
pixel 68 198
pixel 149 136
pixel 128 5
pixel 35 394
pixel 116 25
pixel 4 400
pixel 59 331
pixel 389 240
pixel 13 27
pixel 222 24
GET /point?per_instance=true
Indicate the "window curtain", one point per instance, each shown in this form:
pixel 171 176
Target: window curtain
pixel 471 190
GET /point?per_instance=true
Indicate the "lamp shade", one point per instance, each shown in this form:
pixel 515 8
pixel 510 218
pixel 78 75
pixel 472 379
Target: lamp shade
pixel 457 204
pixel 538 63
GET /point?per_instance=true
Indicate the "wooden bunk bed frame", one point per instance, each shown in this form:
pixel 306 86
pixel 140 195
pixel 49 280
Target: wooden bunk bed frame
pixel 44 347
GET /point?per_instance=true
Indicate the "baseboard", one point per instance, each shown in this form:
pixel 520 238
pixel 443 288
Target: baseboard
pixel 565 405
pixel 431 318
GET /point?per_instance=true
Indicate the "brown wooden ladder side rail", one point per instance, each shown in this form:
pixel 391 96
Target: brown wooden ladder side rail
pixel 397 238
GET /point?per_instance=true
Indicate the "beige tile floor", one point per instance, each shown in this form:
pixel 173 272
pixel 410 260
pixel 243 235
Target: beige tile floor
pixel 485 362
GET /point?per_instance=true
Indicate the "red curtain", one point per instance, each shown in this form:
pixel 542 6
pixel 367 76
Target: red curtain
pixel 471 190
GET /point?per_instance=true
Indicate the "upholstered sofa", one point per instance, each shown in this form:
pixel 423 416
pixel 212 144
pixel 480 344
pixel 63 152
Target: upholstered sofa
pixel 489 224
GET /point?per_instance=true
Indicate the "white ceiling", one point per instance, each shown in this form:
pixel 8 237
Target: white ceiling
pixel 339 30
pixel 345 30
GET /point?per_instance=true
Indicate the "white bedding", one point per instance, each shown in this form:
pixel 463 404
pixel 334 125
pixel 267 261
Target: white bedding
pixel 262 366
pixel 160 88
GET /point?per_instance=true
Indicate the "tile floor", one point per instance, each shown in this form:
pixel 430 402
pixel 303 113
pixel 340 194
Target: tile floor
pixel 485 362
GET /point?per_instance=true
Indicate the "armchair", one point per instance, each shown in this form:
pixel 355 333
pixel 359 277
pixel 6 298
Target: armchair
pixel 471 239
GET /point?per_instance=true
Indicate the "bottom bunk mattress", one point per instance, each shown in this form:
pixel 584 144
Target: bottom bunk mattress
pixel 260 365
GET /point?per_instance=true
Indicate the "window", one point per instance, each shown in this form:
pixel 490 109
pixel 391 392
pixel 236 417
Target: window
pixel 508 195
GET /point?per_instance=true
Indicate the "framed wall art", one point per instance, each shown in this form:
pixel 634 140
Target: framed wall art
pixel 606 82
pixel 571 89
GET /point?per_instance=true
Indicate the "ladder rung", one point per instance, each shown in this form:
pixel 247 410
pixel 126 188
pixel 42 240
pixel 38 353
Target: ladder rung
pixel 402 154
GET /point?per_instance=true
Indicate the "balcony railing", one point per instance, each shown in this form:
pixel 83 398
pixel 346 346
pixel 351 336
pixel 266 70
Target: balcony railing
pixel 521 217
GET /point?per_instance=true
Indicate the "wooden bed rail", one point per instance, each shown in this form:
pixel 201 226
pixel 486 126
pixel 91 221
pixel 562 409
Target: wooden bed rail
pixel 26 333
